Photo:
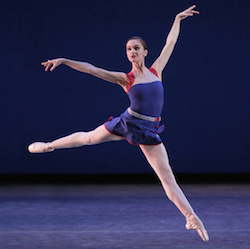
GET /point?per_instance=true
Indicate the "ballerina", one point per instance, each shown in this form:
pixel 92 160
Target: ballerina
pixel 140 123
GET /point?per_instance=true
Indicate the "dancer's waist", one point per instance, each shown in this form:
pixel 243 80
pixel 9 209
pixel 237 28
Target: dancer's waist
pixel 144 117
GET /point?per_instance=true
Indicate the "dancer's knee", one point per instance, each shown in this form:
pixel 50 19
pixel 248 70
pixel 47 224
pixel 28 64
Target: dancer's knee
pixel 78 139
pixel 170 184
pixel 92 137
pixel 167 177
pixel 85 138
pixel 97 136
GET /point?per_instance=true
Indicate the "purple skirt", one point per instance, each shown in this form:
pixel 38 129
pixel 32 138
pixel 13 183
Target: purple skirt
pixel 136 131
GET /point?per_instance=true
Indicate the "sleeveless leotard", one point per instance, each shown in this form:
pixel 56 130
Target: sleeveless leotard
pixel 146 99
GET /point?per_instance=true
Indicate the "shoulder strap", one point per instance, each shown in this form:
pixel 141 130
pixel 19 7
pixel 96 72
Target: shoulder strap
pixel 152 70
pixel 131 78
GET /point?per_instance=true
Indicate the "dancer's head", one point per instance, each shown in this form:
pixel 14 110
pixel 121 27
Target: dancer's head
pixel 136 48
pixel 143 42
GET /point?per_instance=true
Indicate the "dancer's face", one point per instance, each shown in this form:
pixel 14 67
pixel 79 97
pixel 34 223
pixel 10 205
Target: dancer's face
pixel 135 51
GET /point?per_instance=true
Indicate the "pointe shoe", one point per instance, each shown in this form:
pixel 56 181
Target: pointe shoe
pixel 39 147
pixel 193 222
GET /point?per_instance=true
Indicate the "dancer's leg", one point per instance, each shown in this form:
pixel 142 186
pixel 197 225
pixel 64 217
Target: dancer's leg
pixel 77 139
pixel 158 159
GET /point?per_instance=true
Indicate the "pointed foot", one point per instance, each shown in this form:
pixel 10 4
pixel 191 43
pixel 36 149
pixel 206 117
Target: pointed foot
pixel 194 223
pixel 40 147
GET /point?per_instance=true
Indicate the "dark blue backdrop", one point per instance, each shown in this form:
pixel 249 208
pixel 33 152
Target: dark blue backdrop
pixel 206 83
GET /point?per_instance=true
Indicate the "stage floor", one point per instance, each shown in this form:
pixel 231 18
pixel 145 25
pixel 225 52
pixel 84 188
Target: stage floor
pixel 121 216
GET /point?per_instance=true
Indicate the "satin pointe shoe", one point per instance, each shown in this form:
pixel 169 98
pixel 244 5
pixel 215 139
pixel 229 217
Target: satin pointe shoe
pixel 39 147
pixel 194 223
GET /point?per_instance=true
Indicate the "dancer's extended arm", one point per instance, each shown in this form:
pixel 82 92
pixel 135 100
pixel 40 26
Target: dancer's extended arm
pixel 85 67
pixel 172 37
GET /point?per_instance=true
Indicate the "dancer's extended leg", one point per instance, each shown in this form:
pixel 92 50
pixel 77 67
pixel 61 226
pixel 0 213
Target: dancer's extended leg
pixel 158 159
pixel 77 139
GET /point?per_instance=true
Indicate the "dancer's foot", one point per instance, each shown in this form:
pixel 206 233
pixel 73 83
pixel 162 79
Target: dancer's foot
pixel 40 147
pixel 193 222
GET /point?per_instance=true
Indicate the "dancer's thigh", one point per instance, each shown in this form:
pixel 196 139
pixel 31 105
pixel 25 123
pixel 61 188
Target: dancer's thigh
pixel 157 157
pixel 101 135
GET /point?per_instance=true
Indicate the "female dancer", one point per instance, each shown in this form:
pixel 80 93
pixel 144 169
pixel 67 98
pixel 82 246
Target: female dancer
pixel 139 124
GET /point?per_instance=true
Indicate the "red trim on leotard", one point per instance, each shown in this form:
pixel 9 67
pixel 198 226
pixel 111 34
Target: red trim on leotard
pixel 131 79
pixel 152 70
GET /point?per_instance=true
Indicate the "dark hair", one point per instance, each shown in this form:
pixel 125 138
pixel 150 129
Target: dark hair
pixel 144 44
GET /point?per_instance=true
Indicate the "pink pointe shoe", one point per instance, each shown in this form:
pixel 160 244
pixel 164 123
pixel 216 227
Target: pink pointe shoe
pixel 39 147
pixel 193 222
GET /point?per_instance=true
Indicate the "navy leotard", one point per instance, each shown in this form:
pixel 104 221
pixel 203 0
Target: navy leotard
pixel 146 99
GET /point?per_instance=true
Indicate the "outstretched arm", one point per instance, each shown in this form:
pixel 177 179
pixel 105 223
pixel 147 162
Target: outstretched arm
pixel 172 37
pixel 113 77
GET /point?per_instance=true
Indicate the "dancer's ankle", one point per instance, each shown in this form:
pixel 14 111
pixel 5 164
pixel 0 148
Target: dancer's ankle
pixel 188 215
pixel 49 147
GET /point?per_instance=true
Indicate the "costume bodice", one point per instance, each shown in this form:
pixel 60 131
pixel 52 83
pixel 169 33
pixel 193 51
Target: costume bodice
pixel 146 98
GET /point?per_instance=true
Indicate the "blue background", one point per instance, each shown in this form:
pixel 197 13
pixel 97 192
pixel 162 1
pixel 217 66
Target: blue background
pixel 206 83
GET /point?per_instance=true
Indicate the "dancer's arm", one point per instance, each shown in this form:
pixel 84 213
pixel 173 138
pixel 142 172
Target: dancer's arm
pixel 85 67
pixel 172 37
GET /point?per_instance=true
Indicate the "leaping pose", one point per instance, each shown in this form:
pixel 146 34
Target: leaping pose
pixel 140 123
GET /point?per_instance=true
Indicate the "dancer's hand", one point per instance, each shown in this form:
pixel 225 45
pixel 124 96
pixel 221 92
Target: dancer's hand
pixel 52 64
pixel 188 12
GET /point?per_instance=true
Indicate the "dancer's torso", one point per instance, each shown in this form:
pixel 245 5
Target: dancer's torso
pixel 146 98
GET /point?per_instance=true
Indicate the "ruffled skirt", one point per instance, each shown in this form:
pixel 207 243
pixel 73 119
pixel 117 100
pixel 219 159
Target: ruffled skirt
pixel 136 131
